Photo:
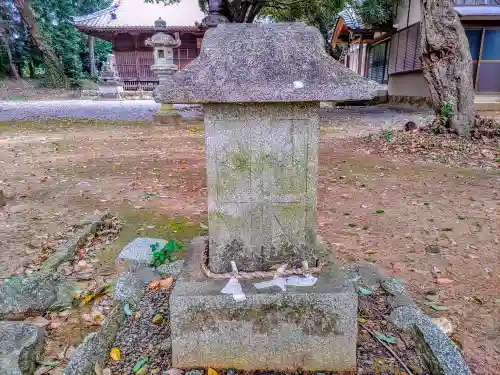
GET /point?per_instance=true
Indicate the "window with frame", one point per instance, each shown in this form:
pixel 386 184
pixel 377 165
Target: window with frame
pixel 405 52
pixel 378 62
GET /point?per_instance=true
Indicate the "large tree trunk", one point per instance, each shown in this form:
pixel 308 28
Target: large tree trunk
pixel 5 41
pixel 93 70
pixel 31 68
pixel 53 68
pixel 447 66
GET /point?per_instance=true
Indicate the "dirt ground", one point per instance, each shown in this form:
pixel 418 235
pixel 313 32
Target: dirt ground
pixel 56 173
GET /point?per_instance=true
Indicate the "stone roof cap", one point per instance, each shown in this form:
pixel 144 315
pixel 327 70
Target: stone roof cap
pixel 280 62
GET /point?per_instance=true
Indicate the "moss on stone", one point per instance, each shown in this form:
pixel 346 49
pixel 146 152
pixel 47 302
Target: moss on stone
pixel 266 317
pixel 240 161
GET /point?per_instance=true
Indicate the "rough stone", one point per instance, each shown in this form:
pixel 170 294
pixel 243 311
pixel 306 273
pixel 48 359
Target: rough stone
pixel 39 292
pixel 96 346
pixel 171 269
pixel 440 354
pixel 264 62
pixel 393 286
pixel 138 252
pixel 67 251
pixel 20 348
pixel 129 288
pixel 313 328
pixel 174 371
pixel 195 372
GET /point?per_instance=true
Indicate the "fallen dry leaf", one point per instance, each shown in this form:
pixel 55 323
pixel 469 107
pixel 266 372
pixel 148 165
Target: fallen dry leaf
pixel 163 284
pixel 442 280
pixel 167 283
pixel 444 325
pixel 154 285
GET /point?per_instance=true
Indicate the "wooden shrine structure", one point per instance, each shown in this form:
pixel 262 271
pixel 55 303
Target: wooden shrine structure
pixel 128 23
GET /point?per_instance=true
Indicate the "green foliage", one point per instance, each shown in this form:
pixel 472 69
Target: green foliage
pixel 166 253
pixel 53 19
pixel 318 13
pixel 376 12
pixel 388 134
pixel 442 122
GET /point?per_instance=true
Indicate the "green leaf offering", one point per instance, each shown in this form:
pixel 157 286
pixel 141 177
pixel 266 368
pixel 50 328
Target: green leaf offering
pixel 50 363
pixel 439 307
pixel 378 212
pixel 380 336
pixel 140 363
pixel 127 310
pixel 166 253
pixel 365 292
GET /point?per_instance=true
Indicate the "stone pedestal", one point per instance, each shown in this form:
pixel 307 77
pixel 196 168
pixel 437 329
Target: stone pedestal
pixel 110 90
pixel 261 86
pixel 312 328
pixel 167 116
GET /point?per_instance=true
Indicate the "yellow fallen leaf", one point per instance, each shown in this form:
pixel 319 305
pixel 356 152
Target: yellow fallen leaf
pixel 89 298
pixel 115 354
pixel 211 371
pixel 362 320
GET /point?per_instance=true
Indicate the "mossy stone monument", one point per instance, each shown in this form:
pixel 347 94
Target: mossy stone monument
pixel 261 85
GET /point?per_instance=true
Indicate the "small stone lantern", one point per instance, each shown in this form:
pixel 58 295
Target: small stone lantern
pixel 110 84
pixel 163 49
pixel 261 87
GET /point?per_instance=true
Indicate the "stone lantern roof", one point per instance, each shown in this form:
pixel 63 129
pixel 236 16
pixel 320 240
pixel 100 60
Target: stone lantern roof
pixel 160 25
pixel 264 63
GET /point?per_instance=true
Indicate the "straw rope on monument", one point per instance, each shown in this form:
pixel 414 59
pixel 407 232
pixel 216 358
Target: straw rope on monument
pixel 305 270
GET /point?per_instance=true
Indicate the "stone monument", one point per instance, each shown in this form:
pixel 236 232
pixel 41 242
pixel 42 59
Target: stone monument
pixel 261 85
pixel 110 84
pixel 163 49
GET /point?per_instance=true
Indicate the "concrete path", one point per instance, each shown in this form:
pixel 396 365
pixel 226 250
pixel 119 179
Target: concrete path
pixel 128 110
pixel 142 110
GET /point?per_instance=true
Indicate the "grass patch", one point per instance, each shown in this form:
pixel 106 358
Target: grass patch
pixel 142 223
pixel 66 123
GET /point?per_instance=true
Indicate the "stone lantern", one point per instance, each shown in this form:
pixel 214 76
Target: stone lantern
pixel 110 84
pixel 261 87
pixel 163 50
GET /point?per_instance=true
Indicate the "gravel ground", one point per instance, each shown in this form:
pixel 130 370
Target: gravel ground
pixel 127 110
pixel 140 338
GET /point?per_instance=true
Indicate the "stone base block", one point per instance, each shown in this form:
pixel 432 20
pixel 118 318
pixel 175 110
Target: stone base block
pixel 110 91
pixel 313 328
pixel 171 119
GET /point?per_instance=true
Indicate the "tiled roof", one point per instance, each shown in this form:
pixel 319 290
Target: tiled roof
pixel 477 2
pixel 482 8
pixel 139 14
pixel 351 19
